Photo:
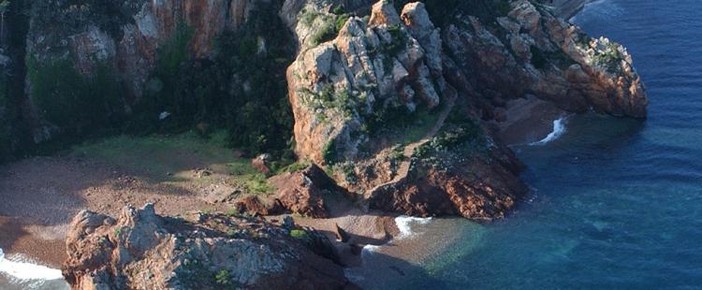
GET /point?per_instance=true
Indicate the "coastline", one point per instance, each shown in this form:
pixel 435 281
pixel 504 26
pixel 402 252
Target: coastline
pixel 41 239
pixel 567 9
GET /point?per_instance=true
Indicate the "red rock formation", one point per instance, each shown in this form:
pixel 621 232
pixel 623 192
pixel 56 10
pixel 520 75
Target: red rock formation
pixel 303 192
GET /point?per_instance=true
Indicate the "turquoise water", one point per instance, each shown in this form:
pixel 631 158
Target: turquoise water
pixel 617 203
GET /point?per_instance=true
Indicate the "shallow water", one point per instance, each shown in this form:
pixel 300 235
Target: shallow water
pixel 617 203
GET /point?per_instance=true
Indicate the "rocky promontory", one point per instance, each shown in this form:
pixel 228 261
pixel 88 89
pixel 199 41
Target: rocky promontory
pixel 408 113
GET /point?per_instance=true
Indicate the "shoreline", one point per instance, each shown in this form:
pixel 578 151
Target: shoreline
pixel 567 9
pixel 40 234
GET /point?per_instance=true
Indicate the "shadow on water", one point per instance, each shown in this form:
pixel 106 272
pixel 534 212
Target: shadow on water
pixel 380 271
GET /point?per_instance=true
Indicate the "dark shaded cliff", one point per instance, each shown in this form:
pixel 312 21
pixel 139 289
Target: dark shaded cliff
pixel 91 68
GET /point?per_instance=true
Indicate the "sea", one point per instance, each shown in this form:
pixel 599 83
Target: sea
pixel 616 203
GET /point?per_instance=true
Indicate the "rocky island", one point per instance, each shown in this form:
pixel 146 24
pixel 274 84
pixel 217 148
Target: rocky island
pixel 391 108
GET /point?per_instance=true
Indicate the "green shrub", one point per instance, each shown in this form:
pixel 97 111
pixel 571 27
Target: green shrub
pixel 297 166
pixel 298 234
pixel 329 153
pixel 325 32
pixel 610 58
pixel 223 278
pixel 341 21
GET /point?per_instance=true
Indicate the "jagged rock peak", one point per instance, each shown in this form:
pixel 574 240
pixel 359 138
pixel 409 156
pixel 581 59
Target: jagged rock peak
pixel 384 13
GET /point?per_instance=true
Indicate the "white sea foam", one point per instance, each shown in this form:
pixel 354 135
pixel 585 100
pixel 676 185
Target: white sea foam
pixel 404 224
pixel 369 249
pixel 559 129
pixel 21 270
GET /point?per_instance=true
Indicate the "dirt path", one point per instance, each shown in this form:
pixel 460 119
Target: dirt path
pixel 404 167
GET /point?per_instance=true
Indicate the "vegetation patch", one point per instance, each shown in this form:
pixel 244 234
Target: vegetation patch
pixel 326 26
pixel 223 278
pixel 78 104
pixel 610 58
pixel 459 138
pixel 299 234
pixel 242 90
pixel 445 12
pixel 329 153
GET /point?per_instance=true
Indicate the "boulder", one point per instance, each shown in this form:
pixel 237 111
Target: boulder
pixel 303 192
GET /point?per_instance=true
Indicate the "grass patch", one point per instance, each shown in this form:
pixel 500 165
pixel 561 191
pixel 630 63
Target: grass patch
pixel 295 167
pixel 160 158
pixel 425 121
pixel 158 154
pixel 298 234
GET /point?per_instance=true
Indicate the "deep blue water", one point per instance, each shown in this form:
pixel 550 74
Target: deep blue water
pixel 618 203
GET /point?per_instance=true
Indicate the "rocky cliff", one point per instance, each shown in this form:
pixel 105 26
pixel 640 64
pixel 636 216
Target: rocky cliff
pixel 126 35
pixel 396 106
pixel 141 250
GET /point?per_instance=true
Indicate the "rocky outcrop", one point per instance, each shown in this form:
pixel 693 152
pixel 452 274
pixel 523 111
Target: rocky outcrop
pixel 141 250
pixel 301 192
pixel 456 184
pixel 358 90
pixel 530 51
pixel 335 87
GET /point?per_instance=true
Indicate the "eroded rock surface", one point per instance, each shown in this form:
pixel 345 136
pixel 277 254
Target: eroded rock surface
pixel 142 250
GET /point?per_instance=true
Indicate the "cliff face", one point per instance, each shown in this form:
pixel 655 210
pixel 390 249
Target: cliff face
pixel 141 250
pixel 114 67
pixel 127 34
pixel 389 103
